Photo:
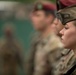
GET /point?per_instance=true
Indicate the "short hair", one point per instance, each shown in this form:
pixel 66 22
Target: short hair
pixel 47 6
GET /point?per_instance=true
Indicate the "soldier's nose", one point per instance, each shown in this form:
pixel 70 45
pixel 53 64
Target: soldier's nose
pixel 61 32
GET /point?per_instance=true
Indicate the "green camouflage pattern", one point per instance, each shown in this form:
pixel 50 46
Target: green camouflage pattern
pixel 69 14
pixel 67 61
pixel 44 55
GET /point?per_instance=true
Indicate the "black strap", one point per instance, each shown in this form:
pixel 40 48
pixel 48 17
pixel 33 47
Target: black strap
pixel 71 70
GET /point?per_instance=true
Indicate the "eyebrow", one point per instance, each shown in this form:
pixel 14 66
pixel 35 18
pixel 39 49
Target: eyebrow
pixel 66 25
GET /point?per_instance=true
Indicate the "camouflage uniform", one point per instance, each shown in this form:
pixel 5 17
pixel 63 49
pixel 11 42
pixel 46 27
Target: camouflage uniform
pixel 68 61
pixel 44 56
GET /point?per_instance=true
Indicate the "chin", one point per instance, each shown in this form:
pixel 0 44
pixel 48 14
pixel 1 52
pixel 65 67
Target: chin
pixel 62 41
pixel 67 47
pixel 64 44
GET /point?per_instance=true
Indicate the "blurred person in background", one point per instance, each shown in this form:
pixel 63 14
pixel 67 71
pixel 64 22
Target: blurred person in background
pixel 46 46
pixel 58 26
pixel 11 56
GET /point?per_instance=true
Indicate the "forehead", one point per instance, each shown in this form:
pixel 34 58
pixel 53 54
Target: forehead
pixel 70 24
pixel 38 12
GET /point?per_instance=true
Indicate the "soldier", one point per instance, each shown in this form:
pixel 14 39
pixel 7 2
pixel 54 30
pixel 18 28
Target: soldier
pixel 46 47
pixel 67 64
pixel 64 3
pixel 61 4
pixel 10 54
pixel 58 26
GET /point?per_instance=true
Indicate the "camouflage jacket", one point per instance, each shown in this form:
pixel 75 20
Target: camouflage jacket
pixel 67 61
pixel 44 55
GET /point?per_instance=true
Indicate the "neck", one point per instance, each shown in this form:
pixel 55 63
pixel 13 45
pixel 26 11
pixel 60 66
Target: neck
pixel 47 31
pixel 74 49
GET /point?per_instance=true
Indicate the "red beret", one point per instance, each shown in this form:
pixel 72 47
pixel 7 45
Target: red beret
pixel 68 2
pixel 64 3
pixel 45 6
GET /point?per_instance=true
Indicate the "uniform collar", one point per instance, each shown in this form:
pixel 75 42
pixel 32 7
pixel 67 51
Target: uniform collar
pixel 65 52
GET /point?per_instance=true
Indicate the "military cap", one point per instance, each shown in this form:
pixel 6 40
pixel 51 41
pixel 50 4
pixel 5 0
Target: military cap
pixel 64 3
pixel 67 14
pixel 44 6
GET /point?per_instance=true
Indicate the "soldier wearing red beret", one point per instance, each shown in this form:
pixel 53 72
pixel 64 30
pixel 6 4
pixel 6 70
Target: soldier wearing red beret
pixel 68 58
pixel 61 4
pixel 46 45
pixel 64 3
pixel 41 13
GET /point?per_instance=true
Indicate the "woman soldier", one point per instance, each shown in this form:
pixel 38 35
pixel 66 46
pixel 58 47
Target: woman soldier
pixel 68 18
